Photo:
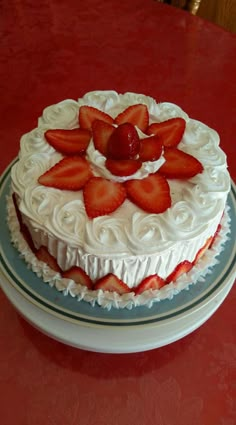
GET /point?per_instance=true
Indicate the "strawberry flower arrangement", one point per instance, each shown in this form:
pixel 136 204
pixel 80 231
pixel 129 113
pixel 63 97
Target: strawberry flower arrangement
pixel 124 153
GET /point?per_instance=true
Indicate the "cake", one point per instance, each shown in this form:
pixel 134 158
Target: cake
pixel 117 199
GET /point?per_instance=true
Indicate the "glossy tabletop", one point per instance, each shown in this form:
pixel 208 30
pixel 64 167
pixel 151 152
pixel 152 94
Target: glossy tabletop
pixel 54 50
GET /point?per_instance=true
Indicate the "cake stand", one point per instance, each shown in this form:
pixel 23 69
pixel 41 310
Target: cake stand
pixel 93 328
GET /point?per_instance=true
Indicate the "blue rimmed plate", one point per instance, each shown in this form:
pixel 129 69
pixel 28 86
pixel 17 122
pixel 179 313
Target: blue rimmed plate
pixel 79 324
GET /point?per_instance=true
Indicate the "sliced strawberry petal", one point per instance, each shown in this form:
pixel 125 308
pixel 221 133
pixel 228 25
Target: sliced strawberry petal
pixel 202 250
pixel 69 142
pixel 180 269
pixel 23 228
pixel 152 193
pixel 123 167
pixel 102 196
pixel 70 173
pixel 102 132
pixel 88 114
pixel 42 254
pixel 179 165
pixel 150 148
pixel 150 282
pixel 171 131
pixel 78 275
pixel 112 283
pixel 135 114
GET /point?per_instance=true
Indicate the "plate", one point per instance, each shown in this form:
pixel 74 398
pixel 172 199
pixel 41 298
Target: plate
pixel 81 325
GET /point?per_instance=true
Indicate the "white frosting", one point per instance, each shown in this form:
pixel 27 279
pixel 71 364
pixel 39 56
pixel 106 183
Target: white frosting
pixel 129 242
pixel 108 299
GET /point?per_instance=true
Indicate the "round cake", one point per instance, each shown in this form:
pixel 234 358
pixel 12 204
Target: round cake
pixel 117 198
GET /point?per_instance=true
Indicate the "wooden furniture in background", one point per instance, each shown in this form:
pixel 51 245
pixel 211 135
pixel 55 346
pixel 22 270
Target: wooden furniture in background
pixel 191 5
pixel 220 12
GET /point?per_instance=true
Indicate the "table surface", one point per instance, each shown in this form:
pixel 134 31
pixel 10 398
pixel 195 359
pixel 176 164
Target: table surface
pixel 51 51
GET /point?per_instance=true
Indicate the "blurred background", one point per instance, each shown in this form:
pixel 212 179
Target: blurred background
pixel 220 12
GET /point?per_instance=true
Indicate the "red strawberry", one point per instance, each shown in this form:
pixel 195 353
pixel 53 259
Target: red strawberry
pixel 150 282
pixel 78 275
pixel 102 132
pixel 123 167
pixel 180 269
pixel 70 173
pixel 124 142
pixel 69 142
pixel 102 196
pixel 202 250
pixel 152 193
pixel 23 228
pixel 150 148
pixel 171 131
pixel 219 227
pixel 42 254
pixel 112 283
pixel 179 165
pixel 136 115
pixel 88 114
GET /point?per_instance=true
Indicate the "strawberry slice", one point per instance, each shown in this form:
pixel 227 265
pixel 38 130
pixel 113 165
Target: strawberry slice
pixel 69 142
pixel 102 196
pixel 219 227
pixel 88 114
pixel 150 148
pixel 202 250
pixel 102 132
pixel 123 167
pixel 135 114
pixel 124 142
pixel 180 269
pixel 42 254
pixel 171 131
pixel 23 228
pixel 152 193
pixel 112 283
pixel 70 173
pixel 150 282
pixel 179 165
pixel 78 275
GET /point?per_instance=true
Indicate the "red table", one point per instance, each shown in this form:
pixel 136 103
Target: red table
pixel 52 50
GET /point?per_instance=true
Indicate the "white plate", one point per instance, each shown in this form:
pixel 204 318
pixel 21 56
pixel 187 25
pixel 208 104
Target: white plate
pixel 116 331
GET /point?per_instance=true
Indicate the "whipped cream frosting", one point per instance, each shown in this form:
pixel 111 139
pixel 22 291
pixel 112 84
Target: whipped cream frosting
pixel 129 242
pixel 106 299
